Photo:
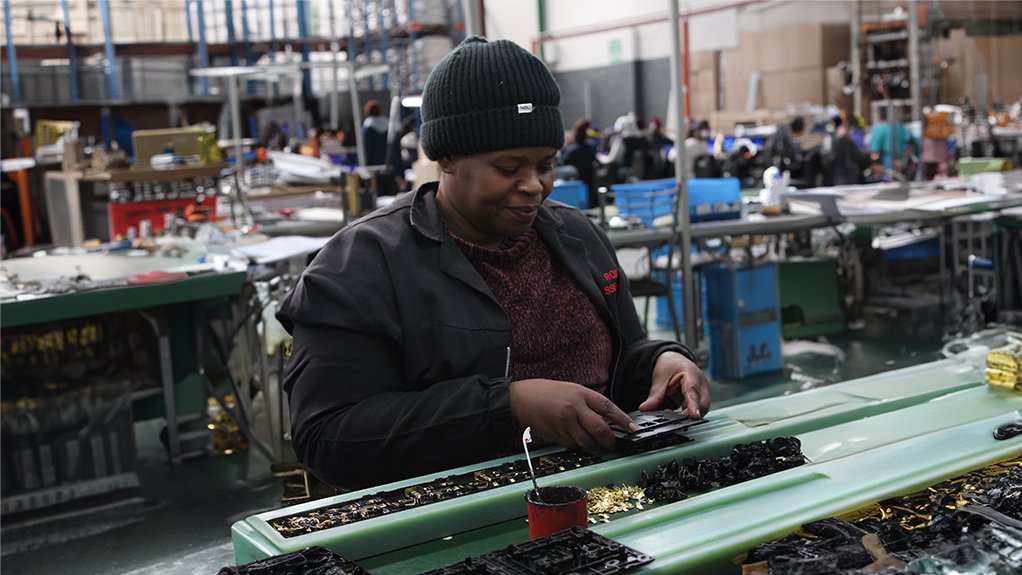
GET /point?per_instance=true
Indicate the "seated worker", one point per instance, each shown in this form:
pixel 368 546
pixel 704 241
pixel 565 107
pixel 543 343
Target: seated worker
pixel 429 334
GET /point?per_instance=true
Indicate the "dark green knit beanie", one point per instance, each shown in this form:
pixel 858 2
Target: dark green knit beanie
pixel 486 96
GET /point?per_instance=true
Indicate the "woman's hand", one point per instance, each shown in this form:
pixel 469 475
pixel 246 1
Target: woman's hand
pixel 677 377
pixel 567 413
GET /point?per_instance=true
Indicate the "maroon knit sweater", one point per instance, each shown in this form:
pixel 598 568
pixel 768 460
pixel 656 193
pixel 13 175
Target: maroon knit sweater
pixel 556 332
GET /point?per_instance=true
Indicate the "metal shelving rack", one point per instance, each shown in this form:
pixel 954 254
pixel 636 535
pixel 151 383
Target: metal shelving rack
pixel 898 51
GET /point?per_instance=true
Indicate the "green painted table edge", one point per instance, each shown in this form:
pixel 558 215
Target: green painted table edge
pixel 96 302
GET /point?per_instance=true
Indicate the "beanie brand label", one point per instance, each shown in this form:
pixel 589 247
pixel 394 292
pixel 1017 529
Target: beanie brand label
pixel 525 108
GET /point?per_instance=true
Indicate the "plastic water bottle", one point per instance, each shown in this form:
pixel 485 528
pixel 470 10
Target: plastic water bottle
pixel 771 197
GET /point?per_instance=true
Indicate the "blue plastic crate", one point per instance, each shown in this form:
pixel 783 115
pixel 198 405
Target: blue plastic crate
pixel 571 192
pixel 714 199
pixel 929 248
pixel 708 199
pixel 745 320
pixel 643 200
pixel 663 312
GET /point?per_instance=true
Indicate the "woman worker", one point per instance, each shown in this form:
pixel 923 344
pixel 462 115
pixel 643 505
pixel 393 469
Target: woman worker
pixel 430 333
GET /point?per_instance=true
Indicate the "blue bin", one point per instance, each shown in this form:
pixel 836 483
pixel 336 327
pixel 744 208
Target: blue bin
pixel 929 248
pixel 571 192
pixel 714 199
pixel 745 320
pixel 663 312
pixel 708 199
pixel 644 200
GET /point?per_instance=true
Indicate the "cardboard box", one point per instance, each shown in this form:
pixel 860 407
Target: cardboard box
pixel 791 86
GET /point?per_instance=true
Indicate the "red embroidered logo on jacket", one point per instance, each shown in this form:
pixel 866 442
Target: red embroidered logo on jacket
pixel 611 277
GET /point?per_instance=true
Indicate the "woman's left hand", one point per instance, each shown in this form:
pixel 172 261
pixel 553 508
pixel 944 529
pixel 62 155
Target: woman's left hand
pixel 679 378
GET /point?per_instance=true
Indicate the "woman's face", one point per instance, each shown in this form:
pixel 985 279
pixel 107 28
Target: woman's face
pixel 485 198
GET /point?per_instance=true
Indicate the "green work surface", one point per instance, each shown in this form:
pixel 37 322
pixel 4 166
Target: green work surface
pixel 866 440
pixel 107 300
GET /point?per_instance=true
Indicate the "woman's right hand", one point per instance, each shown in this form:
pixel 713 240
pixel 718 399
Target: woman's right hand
pixel 567 413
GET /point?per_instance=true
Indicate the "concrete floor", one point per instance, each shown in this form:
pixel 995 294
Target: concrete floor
pixel 178 521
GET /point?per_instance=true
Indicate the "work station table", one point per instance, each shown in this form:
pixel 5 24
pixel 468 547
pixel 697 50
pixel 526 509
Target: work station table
pixel 167 294
pixel 872 204
pixel 865 440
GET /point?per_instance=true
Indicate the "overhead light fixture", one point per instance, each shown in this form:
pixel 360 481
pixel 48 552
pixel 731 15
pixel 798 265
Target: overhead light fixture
pixel 412 101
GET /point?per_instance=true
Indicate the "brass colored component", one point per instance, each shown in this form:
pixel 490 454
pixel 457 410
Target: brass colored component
pixel 603 501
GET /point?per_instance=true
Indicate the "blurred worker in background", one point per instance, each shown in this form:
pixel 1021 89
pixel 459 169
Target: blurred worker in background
pixel 374 134
pixel 582 156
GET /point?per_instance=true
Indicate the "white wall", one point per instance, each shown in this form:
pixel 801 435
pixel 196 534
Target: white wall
pixel 719 30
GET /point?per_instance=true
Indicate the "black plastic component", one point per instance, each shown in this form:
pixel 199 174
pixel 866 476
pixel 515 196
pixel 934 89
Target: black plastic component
pixel 1008 430
pixel 575 551
pixel 657 429
pixel 931 527
pixel 311 561
pixel 676 479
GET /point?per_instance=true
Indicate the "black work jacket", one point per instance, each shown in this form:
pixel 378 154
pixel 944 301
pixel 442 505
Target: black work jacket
pixel 400 348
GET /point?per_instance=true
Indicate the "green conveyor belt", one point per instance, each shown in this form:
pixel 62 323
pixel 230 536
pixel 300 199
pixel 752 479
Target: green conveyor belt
pixel 866 439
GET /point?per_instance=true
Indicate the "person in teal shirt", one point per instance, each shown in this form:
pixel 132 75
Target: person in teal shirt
pixel 880 143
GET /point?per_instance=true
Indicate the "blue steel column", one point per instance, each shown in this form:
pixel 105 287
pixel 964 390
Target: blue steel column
pixel 188 20
pixel 368 37
pixel 229 18
pixel 303 35
pixel 12 54
pixel 72 60
pixel 381 8
pixel 203 50
pixel 461 18
pixel 246 45
pixel 245 42
pixel 413 51
pixel 188 26
pixel 273 51
pixel 111 56
pixel 273 33
pixel 352 50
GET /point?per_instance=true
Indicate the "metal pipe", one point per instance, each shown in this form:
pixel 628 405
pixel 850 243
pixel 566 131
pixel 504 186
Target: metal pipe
pixel 913 58
pixel 203 50
pixel 12 54
pixel 237 132
pixel 273 36
pixel 368 37
pixel 856 59
pixel 413 51
pixel 188 26
pixel 685 77
pixel 246 45
pixel 111 56
pixel 188 20
pixel 231 40
pixel 471 10
pixel 335 49
pixel 381 24
pixel 681 200
pixel 356 114
pixel 541 20
pixel 303 34
pixel 72 60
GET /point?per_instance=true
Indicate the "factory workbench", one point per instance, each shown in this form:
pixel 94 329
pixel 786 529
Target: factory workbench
pixel 155 287
pixel 865 440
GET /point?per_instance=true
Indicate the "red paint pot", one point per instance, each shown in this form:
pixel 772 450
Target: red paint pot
pixel 557 508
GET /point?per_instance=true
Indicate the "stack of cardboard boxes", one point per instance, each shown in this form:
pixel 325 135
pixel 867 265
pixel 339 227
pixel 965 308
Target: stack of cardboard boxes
pixel 791 63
